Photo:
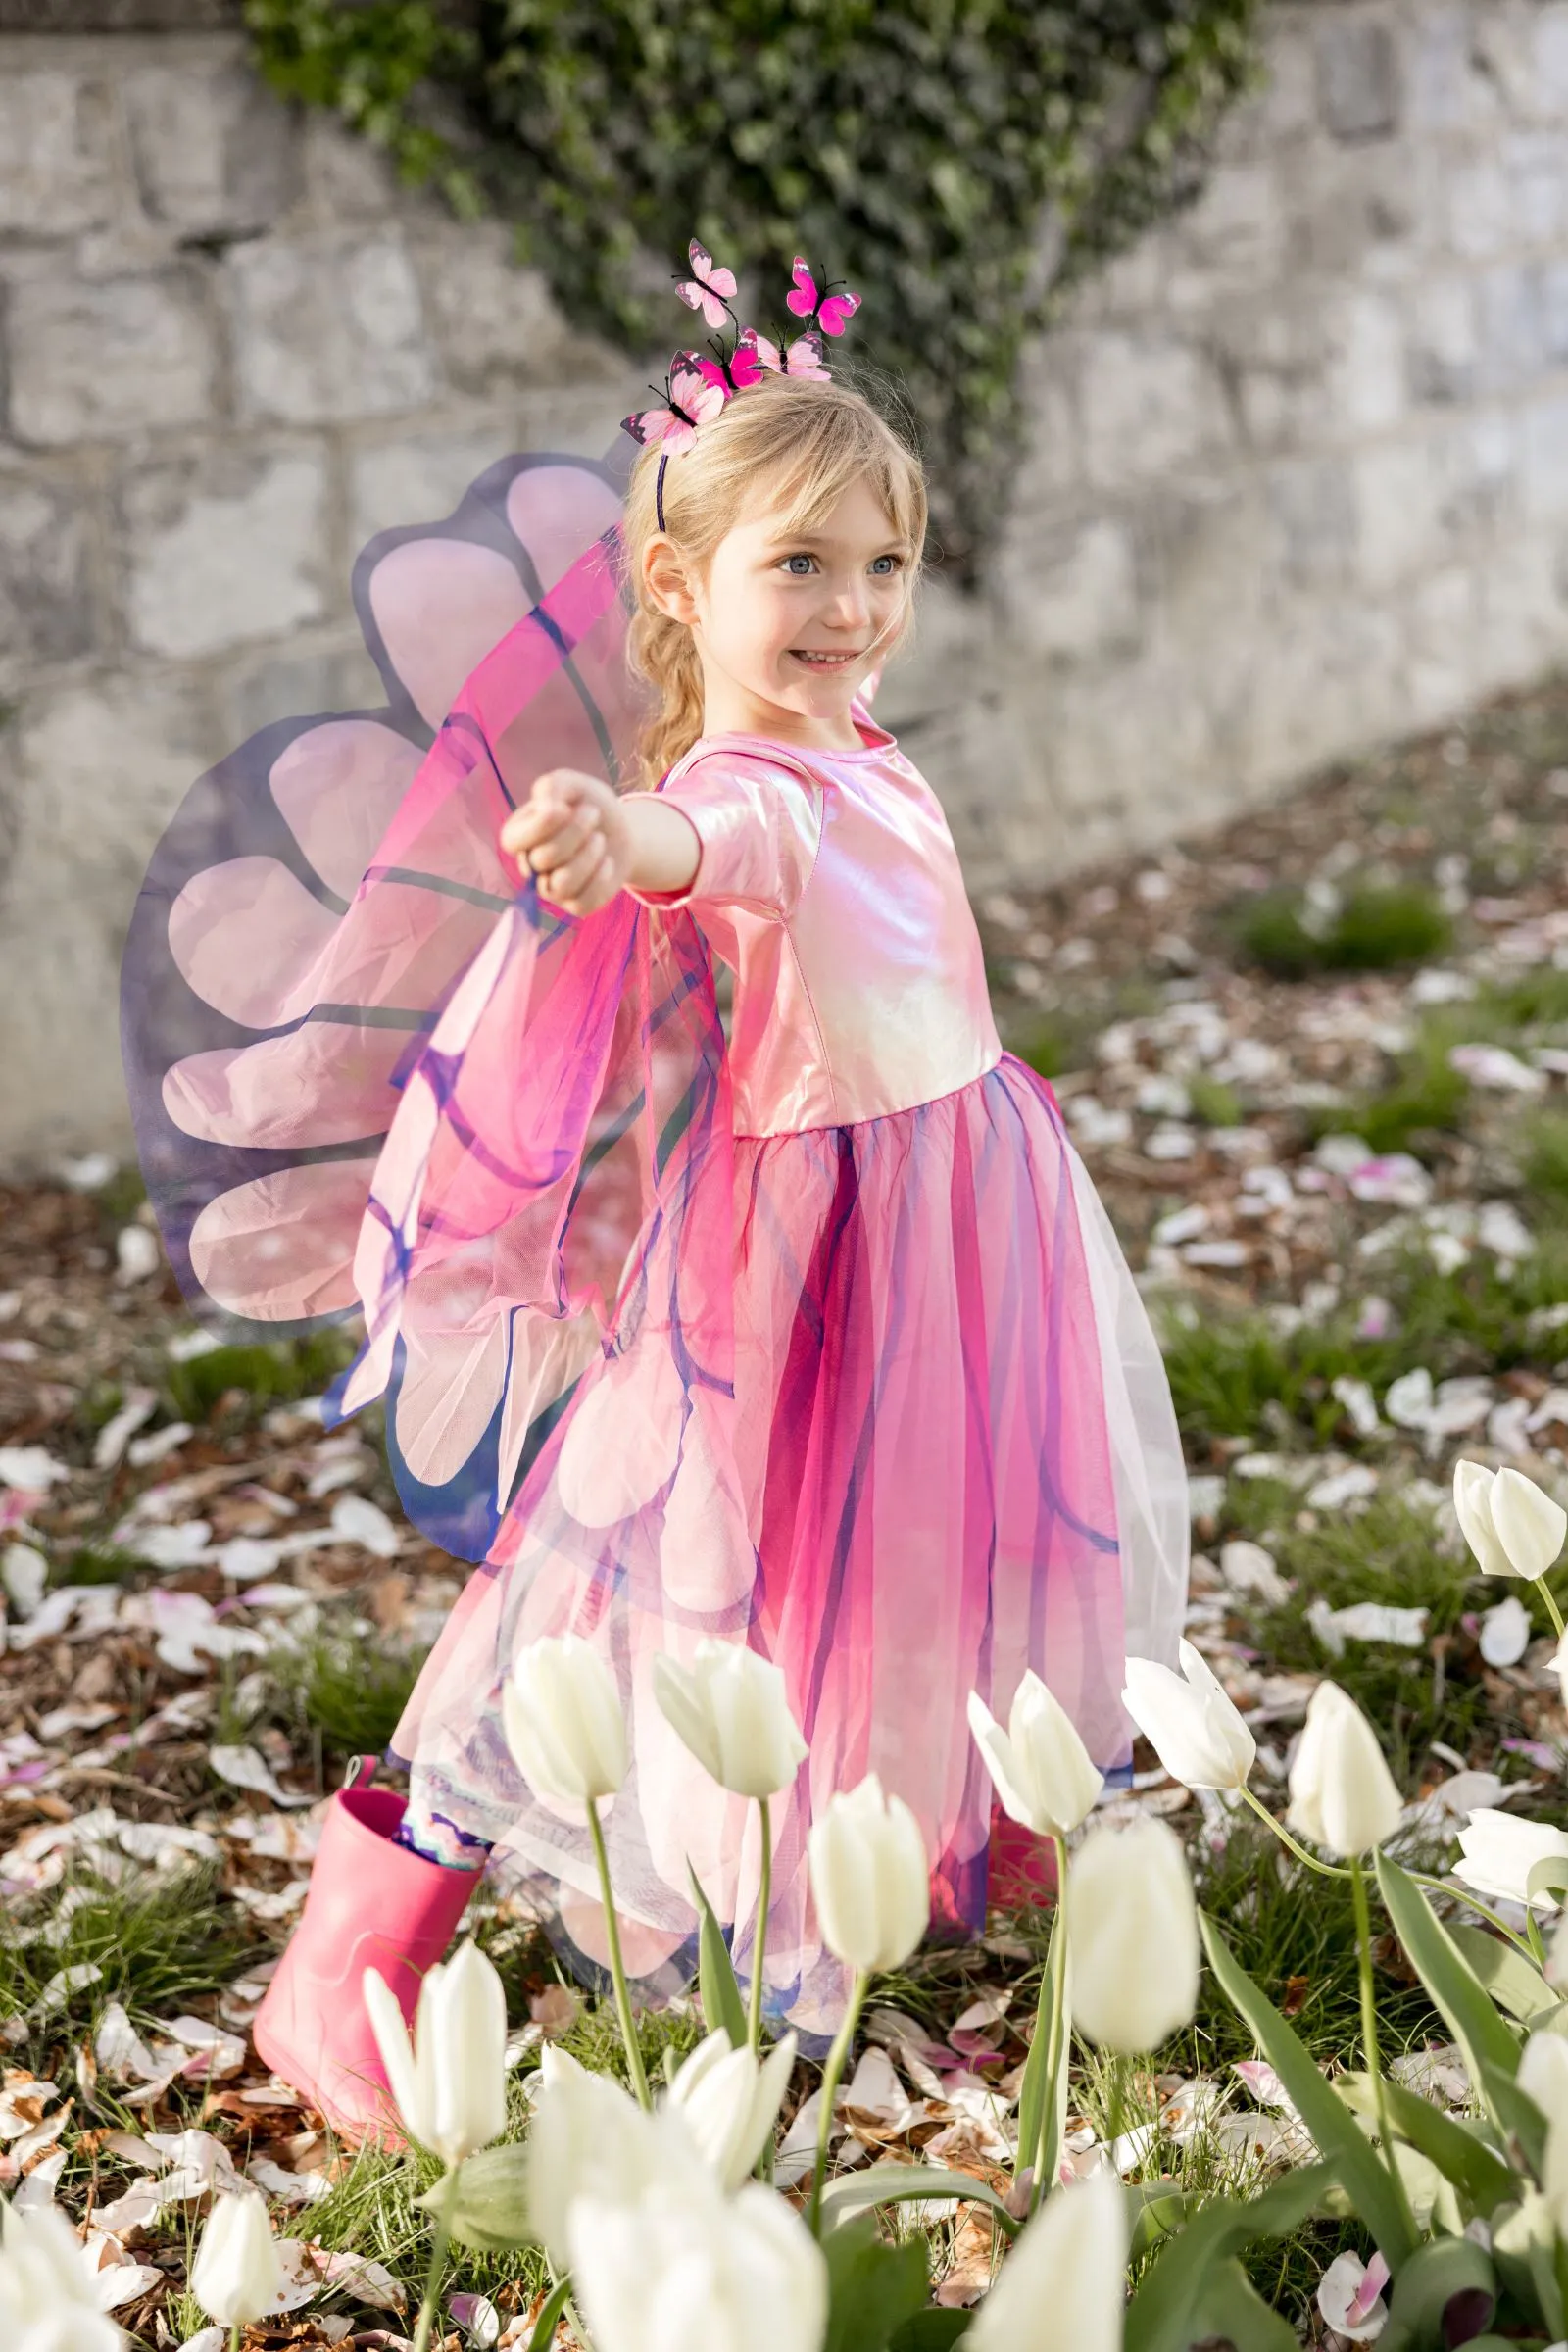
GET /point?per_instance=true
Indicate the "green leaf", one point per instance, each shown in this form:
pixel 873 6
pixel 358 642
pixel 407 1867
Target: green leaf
pixel 855 2193
pixel 1229 2308
pixel 1163 2315
pixel 1339 2137
pixel 716 1984
pixel 1478 2171
pixel 1161 2212
pixel 1042 2096
pixel 930 2330
pixel 1514 1983
pixel 544 2335
pixel 485 2203
pixel 873 2289
pixel 1549 1876
pixel 1524 2247
pixel 1435 2276
pixel 1472 2017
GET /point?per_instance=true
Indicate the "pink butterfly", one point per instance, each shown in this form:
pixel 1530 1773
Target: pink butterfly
pixel 803 356
pixel 709 289
pixel 690 400
pixel 742 366
pixel 832 312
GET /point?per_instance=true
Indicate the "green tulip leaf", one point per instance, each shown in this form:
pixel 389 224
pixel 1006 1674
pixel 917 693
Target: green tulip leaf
pixel 1361 2172
pixel 873 2289
pixel 1524 2248
pixel 484 2204
pixel 1485 2041
pixel 1165 2314
pixel 1476 2171
pixel 544 2335
pixel 855 2193
pixel 1446 2285
pixel 1514 1983
pixel 716 1984
pixel 1517 2115
pixel 1043 2092
pixel 930 2330
pixel 1161 2212
pixel 1231 2310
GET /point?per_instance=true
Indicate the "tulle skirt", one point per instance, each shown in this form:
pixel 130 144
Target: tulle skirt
pixel 911 1493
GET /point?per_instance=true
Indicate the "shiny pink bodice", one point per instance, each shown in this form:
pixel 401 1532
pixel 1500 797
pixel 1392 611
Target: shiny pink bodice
pixel 829 884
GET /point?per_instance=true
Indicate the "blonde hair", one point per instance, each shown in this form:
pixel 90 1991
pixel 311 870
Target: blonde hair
pixel 802 444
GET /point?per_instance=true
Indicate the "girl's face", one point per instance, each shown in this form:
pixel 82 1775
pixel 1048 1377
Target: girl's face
pixel 788 624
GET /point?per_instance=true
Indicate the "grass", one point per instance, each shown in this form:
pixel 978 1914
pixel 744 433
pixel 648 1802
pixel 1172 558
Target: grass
pixel 349 1686
pixel 158 1943
pixel 260 1374
pixel 1377 927
pixel 1545 1163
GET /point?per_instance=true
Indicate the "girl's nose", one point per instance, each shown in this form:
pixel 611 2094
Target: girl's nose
pixel 852 607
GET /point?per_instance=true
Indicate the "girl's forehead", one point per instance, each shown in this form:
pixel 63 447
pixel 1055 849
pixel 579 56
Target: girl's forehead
pixel 858 513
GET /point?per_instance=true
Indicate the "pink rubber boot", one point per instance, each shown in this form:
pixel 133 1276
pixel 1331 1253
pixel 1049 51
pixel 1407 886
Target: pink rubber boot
pixel 372 1904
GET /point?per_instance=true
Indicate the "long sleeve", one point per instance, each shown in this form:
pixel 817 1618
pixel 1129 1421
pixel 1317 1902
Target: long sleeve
pixel 758 825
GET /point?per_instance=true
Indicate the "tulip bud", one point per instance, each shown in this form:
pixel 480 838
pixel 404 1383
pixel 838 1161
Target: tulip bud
pixel 729 2103
pixel 451 2084
pixel 1132 1937
pixel 870 1878
pixel 727 2274
pixel 237 2275
pixel 1064 2287
pixel 1039 1765
pixel 1497 1852
pixel 564 1719
pixel 589 2141
pixel 1192 1724
pixel 730 1708
pixel 1513 1527
pixel 1342 1795
pixel 48 2296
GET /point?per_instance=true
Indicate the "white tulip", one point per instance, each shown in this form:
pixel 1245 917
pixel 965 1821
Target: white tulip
pixel 589 2139
pixel 563 1720
pixel 1544 2075
pixel 675 2271
pixel 1064 2283
pixel 1040 1766
pixel 1496 1855
pixel 1554 2174
pixel 729 1707
pixel 1513 1527
pixel 1132 1937
pixel 48 2299
pixel 451 2083
pixel 237 2275
pixel 1555 1971
pixel 1190 1721
pixel 870 1878
pixel 1559 1667
pixel 729 2103
pixel 1342 1795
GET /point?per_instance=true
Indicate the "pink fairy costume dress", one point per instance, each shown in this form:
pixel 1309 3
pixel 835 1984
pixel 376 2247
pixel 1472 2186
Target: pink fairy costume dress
pixel 811 1335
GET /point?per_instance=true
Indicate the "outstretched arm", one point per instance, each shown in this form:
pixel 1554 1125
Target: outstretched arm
pixel 584 842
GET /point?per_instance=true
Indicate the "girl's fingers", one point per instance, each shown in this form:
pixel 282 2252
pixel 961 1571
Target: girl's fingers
pixel 569 879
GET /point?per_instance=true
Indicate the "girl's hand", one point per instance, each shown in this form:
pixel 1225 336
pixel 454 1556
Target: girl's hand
pixel 572 834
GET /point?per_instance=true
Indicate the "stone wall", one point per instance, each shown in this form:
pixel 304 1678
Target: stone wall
pixel 1298 474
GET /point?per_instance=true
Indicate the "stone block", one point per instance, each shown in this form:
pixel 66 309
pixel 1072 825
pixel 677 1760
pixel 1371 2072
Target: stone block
pixel 299 684
pixel 1442 617
pixel 1512 327
pixel 420 480
pixel 56 169
pixel 1051 459
pixel 1481 207
pixel 1396 492
pixel 1311 511
pixel 1543 467
pixel 347 178
pixel 493 320
pixel 1361 208
pixel 1451 83
pixel 92 772
pixel 1549 62
pixel 105 362
pixel 1555 312
pixel 1535 163
pixel 1070 595
pixel 1522 616
pixel 216 154
pixel 1442 340
pixel 327 328
pixel 46 603
pixel 1148 402
pixel 1357 75
pixel 224 549
pixel 1364 378
pixel 1233 238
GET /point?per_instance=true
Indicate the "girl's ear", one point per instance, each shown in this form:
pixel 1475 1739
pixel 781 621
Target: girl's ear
pixel 664 578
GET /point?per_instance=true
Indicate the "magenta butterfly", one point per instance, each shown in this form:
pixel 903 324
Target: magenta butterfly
pixel 754 356
pixel 709 289
pixel 691 397
pixel 830 312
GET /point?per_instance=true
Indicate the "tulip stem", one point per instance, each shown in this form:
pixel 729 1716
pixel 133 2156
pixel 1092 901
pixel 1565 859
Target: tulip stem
pixel 439 2240
pixel 765 1896
pixel 829 2092
pixel 1552 1610
pixel 1057 2026
pixel 1369 2030
pixel 1325 1870
pixel 1461 1894
pixel 233 2338
pixel 617 1967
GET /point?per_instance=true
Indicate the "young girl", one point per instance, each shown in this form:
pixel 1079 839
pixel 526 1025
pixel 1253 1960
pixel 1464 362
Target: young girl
pixel 811 1334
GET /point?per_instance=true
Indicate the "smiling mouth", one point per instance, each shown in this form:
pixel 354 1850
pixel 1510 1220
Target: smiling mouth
pixel 811 658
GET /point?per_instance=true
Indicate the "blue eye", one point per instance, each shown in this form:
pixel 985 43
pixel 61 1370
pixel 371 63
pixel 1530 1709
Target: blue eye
pixel 884 566
pixel 790 563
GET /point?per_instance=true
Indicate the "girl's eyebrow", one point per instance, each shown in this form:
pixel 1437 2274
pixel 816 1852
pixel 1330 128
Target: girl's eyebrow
pixel 816 540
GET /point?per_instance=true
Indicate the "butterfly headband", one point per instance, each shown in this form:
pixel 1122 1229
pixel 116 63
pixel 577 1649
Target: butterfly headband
pixel 696 387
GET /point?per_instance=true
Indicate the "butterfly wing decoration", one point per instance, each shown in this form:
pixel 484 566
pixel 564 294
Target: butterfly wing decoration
pixel 835 312
pixel 753 356
pixel 709 289
pixel 831 313
pixel 694 391
pixel 803 356
pixel 802 296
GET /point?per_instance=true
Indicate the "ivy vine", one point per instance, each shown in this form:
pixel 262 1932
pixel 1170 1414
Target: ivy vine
pixel 962 162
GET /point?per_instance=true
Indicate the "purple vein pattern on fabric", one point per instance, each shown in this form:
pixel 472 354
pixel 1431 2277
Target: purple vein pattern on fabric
pixel 868 1387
